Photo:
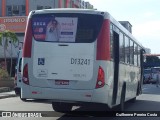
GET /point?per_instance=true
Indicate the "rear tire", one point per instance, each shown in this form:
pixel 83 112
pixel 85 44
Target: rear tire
pixel 17 91
pixel 23 99
pixel 133 100
pixel 61 107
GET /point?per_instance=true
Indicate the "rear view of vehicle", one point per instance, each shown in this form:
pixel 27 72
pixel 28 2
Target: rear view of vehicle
pixel 62 69
pixel 72 57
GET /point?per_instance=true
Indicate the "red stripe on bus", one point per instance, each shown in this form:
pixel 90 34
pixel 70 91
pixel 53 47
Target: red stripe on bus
pixel 27 41
pixel 103 42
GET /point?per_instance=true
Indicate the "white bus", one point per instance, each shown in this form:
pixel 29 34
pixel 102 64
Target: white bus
pixel 92 59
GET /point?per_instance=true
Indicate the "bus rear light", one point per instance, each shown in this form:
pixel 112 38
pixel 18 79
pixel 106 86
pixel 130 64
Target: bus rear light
pixel 101 78
pixel 15 80
pixel 34 92
pixel 15 77
pixel 25 78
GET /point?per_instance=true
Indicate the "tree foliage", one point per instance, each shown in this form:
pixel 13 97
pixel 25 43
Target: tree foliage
pixel 6 37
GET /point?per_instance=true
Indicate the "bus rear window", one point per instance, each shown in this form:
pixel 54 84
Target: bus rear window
pixel 72 28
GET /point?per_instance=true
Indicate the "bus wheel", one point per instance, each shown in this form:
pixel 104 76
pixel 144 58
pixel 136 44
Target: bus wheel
pixel 23 99
pixel 133 100
pixel 17 92
pixel 61 107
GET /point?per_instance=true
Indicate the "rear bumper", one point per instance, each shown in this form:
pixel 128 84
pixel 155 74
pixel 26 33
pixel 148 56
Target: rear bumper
pixel 66 95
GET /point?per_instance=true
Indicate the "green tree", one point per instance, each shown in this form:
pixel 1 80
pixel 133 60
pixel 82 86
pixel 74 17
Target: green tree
pixel 5 38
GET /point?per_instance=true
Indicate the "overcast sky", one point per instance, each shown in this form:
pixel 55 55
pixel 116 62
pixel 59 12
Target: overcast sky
pixel 144 15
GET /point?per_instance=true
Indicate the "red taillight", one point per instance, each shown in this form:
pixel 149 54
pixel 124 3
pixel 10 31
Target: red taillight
pixel 15 77
pixel 101 78
pixel 15 80
pixel 25 78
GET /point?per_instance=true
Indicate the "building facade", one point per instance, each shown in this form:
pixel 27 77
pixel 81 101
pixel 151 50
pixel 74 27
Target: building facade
pixel 13 17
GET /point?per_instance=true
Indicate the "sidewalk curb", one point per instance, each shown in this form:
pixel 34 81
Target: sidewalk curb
pixel 7 96
pixel 4 89
pixel 6 92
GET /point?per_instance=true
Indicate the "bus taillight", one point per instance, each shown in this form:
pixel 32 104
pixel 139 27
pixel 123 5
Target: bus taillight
pixel 101 78
pixel 25 75
pixel 15 80
pixel 15 77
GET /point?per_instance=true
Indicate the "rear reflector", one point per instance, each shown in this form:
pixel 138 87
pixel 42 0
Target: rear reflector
pixel 34 92
pixel 101 78
pixel 15 77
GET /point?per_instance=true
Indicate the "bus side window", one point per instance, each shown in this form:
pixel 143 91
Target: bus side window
pixel 111 41
pixel 136 52
pixel 131 52
pixel 138 56
pixel 121 47
pixel 127 50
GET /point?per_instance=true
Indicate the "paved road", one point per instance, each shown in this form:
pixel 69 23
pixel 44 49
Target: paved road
pixel 148 101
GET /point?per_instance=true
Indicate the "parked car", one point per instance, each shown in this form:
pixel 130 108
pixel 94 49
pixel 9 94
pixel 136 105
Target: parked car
pixel 18 76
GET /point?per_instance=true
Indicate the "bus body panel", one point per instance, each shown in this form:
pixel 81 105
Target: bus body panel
pixel 67 95
pixel 51 83
pixel 63 61
pixel 131 75
pixel 64 64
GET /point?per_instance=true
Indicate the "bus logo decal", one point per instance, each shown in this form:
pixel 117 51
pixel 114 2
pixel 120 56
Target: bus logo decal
pixel 41 61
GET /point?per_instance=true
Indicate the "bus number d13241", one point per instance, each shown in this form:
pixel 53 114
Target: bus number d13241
pixel 80 61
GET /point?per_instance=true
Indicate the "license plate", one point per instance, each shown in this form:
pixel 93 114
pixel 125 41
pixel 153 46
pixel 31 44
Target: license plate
pixel 61 82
